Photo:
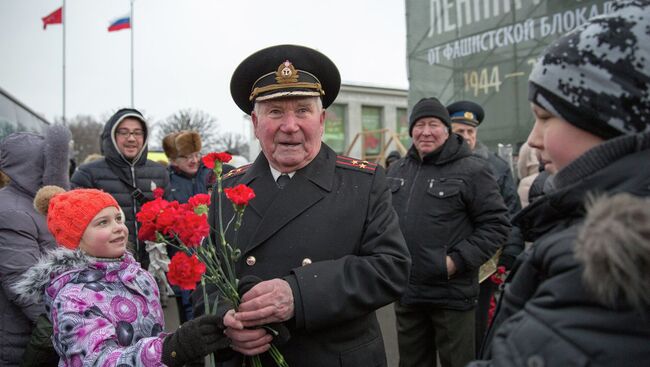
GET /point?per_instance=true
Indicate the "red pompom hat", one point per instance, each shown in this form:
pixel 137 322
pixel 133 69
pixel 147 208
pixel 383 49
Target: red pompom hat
pixel 70 212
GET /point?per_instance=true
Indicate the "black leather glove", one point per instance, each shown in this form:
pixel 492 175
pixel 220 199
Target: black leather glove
pixel 278 330
pixel 193 340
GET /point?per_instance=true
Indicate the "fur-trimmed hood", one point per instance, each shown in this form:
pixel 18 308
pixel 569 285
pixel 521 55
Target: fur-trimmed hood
pixel 614 246
pixel 31 286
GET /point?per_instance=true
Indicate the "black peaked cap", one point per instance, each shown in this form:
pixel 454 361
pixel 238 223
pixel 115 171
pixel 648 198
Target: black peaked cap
pixel 316 75
pixel 466 112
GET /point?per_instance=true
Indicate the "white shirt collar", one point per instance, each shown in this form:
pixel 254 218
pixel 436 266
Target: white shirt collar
pixel 277 173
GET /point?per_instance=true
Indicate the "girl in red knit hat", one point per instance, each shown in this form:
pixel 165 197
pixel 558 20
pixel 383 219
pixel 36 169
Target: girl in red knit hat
pixel 105 309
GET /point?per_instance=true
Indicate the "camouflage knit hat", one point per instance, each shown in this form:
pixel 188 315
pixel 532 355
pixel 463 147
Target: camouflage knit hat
pixel 597 77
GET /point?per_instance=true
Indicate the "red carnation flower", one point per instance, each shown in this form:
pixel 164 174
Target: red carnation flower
pixel 240 195
pixel 199 199
pixel 167 218
pixel 210 158
pixel 150 210
pixel 147 232
pixel 185 271
pixel 158 193
pixel 191 228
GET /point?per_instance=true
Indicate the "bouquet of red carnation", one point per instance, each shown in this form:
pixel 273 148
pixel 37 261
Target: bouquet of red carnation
pixel 185 226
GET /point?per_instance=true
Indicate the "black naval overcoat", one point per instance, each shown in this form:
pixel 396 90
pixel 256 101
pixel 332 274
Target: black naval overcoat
pixel 333 235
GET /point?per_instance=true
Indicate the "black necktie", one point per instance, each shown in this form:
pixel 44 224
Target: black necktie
pixel 283 180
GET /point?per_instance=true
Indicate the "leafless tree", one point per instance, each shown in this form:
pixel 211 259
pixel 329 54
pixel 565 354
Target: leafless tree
pixel 233 143
pixel 86 134
pixel 194 120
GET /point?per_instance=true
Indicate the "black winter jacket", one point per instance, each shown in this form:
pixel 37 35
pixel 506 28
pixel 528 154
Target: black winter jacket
pixel 546 316
pixel 145 174
pixel 182 187
pixel 502 172
pixel 448 204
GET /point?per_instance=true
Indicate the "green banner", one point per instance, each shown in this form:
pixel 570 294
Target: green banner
pixel 483 51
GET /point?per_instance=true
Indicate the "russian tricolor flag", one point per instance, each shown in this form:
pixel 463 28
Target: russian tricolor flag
pixel 120 23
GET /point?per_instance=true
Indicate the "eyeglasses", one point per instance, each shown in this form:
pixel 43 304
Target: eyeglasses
pixel 196 156
pixel 125 133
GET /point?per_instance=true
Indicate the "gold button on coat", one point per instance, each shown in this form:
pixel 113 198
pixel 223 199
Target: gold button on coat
pixel 251 260
pixel 306 261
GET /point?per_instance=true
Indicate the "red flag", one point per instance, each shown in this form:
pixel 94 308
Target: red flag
pixel 56 17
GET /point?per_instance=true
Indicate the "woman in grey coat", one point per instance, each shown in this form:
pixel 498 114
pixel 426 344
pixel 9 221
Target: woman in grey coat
pixel 30 161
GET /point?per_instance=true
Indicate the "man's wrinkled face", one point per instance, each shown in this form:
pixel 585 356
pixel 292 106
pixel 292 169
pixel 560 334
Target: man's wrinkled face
pixel 467 132
pixel 429 134
pixel 129 136
pixel 289 131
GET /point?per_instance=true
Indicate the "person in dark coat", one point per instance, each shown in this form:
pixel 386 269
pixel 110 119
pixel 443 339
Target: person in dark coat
pixel 466 116
pixel 187 177
pixel 320 233
pixel 30 161
pixel 392 157
pixel 124 171
pixel 563 305
pixel 454 219
pixel 187 174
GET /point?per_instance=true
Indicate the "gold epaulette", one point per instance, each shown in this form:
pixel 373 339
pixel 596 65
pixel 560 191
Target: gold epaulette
pixel 356 164
pixel 237 171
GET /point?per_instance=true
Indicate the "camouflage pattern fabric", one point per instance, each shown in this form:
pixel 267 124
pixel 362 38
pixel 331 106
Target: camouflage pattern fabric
pixel 597 77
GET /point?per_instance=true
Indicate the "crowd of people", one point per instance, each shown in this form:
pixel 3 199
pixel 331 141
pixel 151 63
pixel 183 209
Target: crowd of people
pixel 330 239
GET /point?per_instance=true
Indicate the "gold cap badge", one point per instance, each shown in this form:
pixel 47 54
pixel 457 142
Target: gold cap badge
pixel 286 73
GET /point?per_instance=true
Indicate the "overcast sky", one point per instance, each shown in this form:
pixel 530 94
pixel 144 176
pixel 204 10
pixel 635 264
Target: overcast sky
pixel 185 50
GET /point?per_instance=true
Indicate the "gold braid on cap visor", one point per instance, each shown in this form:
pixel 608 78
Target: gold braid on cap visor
pixel 316 87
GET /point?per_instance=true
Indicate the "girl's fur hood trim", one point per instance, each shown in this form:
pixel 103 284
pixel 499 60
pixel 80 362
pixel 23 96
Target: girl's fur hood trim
pixel 31 286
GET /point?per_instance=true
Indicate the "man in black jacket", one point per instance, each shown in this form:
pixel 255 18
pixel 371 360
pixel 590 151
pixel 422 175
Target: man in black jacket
pixel 453 219
pixel 125 172
pixel 466 116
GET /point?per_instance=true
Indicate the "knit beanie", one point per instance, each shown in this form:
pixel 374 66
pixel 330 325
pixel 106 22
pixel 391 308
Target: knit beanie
pixel 597 77
pixel 69 212
pixel 429 107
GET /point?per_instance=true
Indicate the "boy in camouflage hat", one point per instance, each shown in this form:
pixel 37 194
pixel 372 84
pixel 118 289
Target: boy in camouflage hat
pixel 589 95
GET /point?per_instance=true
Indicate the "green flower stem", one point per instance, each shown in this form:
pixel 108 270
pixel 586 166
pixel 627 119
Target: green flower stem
pixel 277 357
pixel 230 222
pixel 255 361
pixel 222 235
pixel 206 305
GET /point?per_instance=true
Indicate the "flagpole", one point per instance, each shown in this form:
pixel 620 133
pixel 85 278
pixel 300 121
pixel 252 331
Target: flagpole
pixel 132 28
pixel 64 11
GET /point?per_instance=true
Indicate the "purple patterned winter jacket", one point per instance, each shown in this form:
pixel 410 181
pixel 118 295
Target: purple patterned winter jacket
pixel 104 312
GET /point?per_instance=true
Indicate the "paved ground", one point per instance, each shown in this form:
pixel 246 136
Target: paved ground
pixel 386 317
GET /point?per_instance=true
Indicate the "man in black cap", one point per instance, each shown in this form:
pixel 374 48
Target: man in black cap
pixel 453 219
pixel 320 234
pixel 466 116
